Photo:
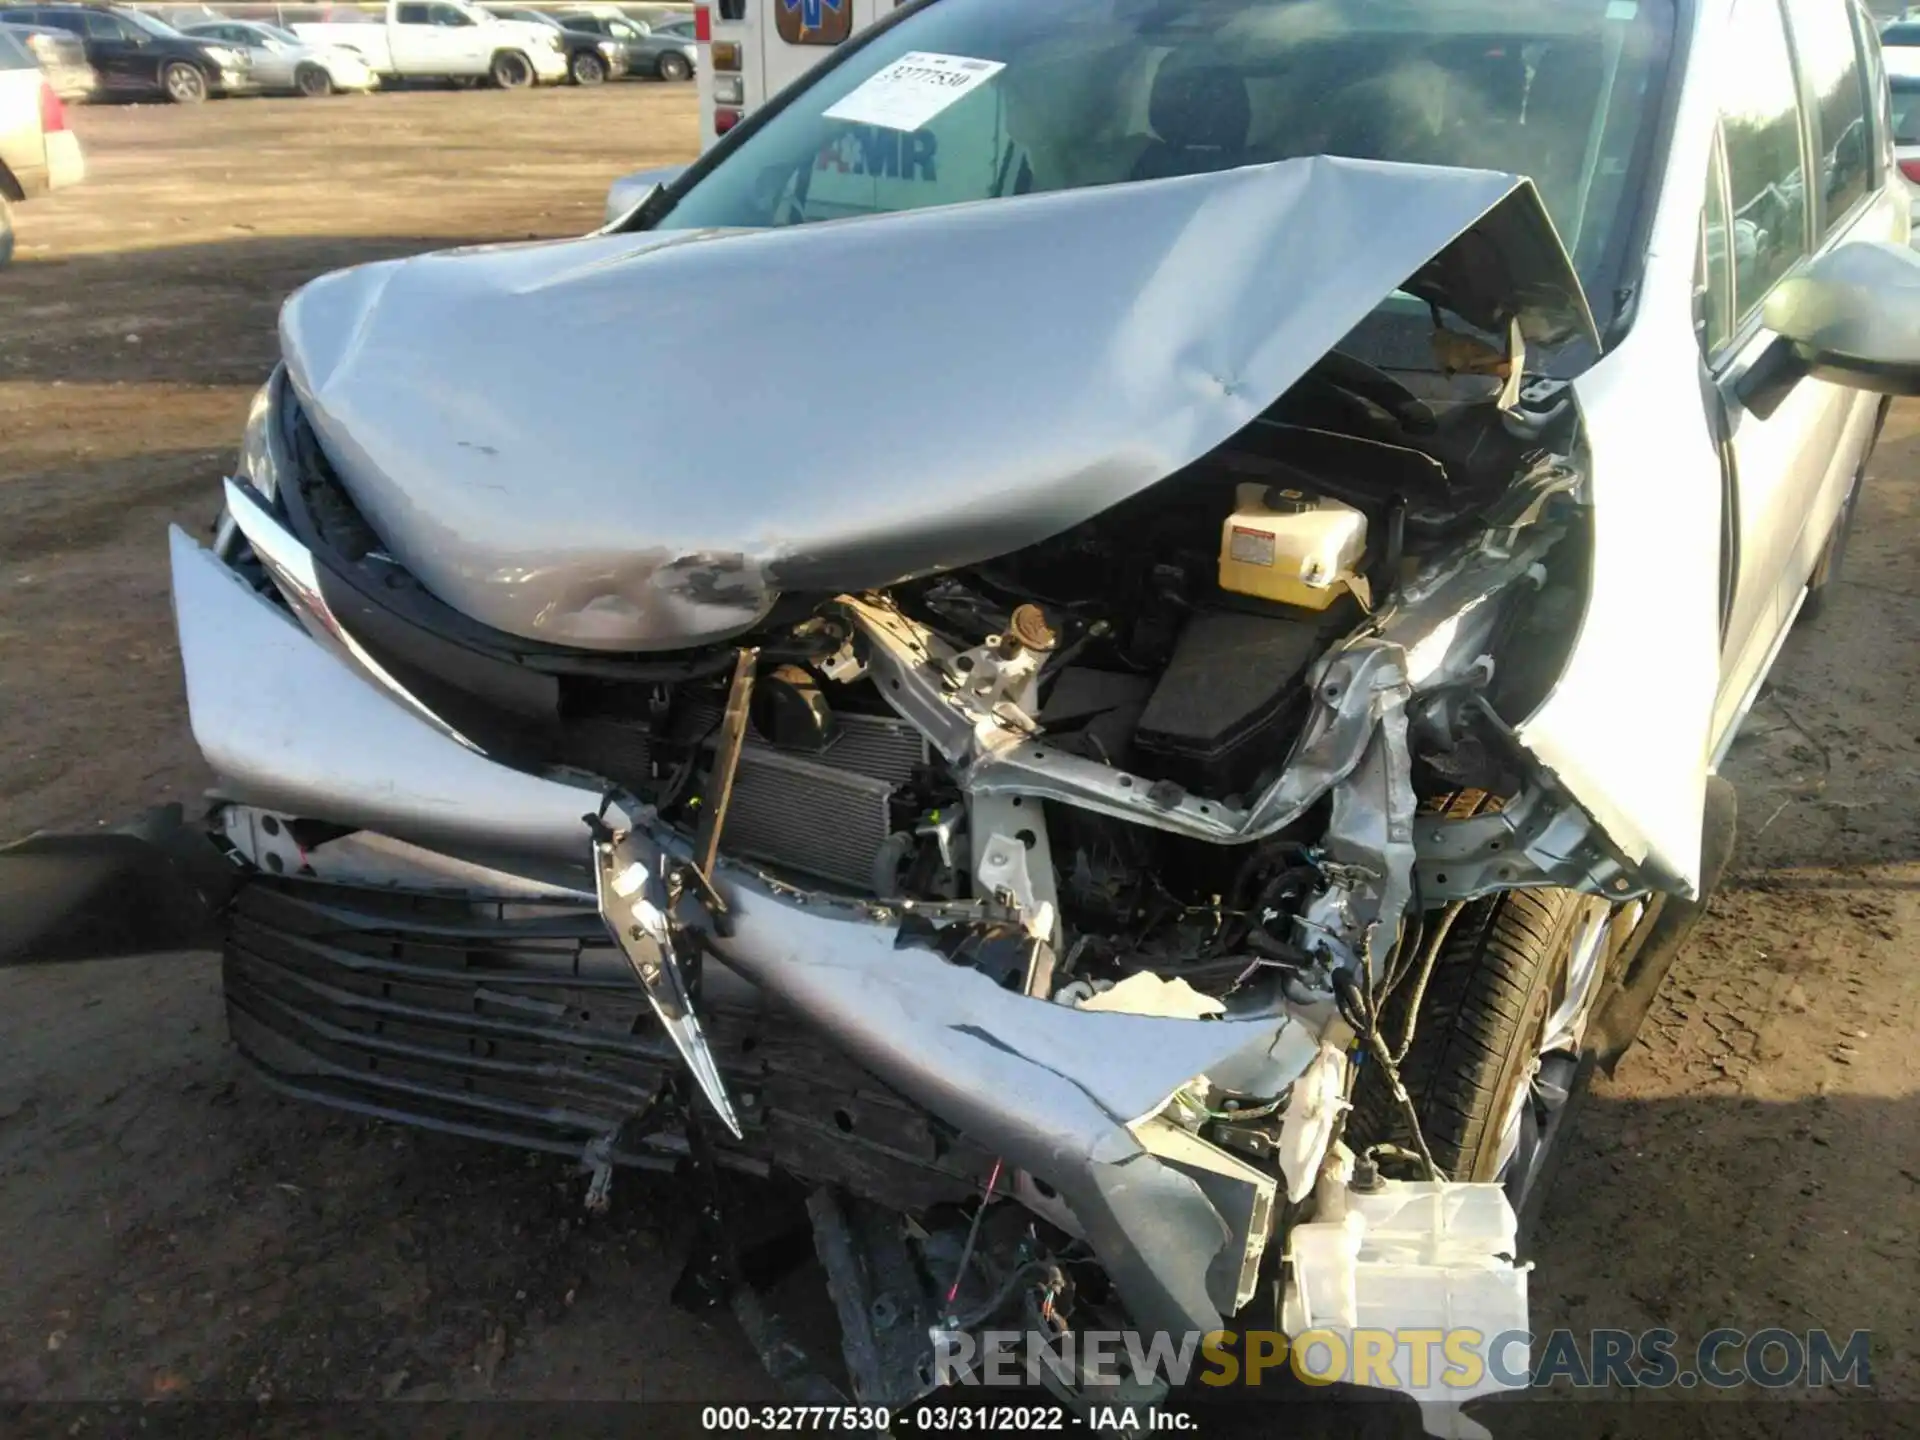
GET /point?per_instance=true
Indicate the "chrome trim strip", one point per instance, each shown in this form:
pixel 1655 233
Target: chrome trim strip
pixel 291 565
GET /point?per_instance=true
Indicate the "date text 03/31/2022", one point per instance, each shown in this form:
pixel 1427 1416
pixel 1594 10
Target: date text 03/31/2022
pixel 932 1419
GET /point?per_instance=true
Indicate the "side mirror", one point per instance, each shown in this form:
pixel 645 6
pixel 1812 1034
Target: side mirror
pixel 1853 317
pixel 630 192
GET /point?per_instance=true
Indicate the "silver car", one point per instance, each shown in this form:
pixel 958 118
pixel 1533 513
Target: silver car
pixel 1155 714
pixel 286 64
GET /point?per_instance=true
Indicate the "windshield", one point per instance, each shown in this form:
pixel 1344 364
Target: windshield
pixel 274 32
pixel 150 25
pixel 1906 109
pixel 1014 97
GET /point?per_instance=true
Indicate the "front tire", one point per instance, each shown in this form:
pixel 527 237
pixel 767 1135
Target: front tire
pixel 313 82
pixel 673 66
pixel 183 84
pixel 1490 1072
pixel 511 70
pixel 587 68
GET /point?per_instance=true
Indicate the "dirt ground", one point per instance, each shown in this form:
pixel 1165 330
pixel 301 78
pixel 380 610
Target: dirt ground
pixel 169 1228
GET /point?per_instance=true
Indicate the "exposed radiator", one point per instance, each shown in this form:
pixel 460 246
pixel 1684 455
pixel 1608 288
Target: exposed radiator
pixel 824 814
pixel 821 814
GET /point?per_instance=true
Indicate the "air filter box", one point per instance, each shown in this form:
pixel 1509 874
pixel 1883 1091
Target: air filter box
pixel 1230 701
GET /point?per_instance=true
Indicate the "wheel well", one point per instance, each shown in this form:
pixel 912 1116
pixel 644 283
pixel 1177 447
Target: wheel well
pixel 10 187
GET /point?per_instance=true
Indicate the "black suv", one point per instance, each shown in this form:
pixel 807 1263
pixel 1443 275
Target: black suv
pixel 135 54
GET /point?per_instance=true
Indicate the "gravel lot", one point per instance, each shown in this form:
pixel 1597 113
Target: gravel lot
pixel 168 1228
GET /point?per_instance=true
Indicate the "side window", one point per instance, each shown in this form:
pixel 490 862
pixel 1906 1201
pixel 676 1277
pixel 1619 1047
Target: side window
pixel 13 55
pixel 104 27
pixel 1843 143
pixel 413 15
pixel 1714 283
pixel 1760 121
pixel 64 20
pixel 450 15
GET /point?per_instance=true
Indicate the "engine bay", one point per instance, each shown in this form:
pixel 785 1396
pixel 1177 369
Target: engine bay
pixel 1147 644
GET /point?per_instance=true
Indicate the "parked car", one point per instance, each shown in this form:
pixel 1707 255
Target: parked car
pixel 62 58
pixel 1171 670
pixel 1903 77
pixel 38 152
pixel 135 54
pixel 446 40
pixel 591 58
pixel 666 56
pixel 284 63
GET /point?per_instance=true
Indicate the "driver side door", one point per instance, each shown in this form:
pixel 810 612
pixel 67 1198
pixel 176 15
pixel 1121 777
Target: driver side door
pixel 433 39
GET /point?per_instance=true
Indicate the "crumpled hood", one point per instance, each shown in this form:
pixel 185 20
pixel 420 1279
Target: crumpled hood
pixel 636 441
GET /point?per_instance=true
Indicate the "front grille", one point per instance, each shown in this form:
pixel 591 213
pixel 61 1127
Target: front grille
pixel 520 1023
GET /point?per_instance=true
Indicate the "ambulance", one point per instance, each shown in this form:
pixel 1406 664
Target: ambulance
pixel 755 48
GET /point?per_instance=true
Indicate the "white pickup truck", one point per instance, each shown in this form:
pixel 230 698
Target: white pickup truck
pixel 447 40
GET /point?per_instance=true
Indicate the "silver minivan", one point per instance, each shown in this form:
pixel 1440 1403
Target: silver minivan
pixel 1156 712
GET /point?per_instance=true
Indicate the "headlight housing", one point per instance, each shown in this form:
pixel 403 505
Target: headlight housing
pixel 607 47
pixel 261 446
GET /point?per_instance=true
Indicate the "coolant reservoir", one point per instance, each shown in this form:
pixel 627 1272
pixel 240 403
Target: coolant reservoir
pixel 1290 546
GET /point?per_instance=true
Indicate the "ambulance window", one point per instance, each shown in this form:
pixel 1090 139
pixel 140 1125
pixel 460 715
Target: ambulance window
pixel 964 153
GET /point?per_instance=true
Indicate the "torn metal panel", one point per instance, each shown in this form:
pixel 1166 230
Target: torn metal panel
pixel 1129 330
pixel 287 725
pixel 636 900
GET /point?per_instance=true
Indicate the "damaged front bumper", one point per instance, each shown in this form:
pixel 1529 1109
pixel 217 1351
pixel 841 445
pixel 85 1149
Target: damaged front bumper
pixel 291 729
pixel 426 936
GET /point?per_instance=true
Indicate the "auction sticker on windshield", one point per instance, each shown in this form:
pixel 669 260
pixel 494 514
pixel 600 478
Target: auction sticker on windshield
pixel 913 89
